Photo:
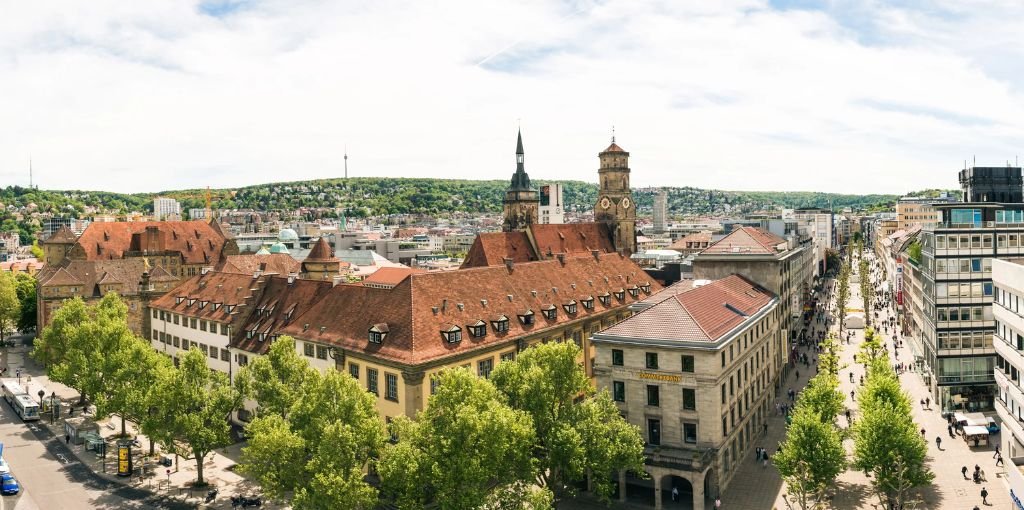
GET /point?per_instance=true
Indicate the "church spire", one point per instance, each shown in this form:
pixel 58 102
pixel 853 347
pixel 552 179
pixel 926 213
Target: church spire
pixel 520 179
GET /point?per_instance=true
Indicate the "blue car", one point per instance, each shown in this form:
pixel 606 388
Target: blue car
pixel 8 484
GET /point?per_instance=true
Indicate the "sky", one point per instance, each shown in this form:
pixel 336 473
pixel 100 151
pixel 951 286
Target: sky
pixel 838 96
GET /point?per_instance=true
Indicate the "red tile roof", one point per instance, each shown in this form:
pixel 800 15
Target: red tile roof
pixel 614 147
pixel 492 248
pixel 416 310
pixel 197 241
pixel 542 241
pixel 264 304
pixel 321 252
pixel 390 276
pixel 696 237
pixel 63 235
pixel 704 314
pixel 572 239
pixel 746 241
pixel 279 263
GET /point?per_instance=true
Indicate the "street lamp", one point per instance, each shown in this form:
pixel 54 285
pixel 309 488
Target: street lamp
pixel 41 395
pixel 53 406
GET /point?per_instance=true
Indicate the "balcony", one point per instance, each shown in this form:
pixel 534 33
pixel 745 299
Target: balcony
pixel 689 459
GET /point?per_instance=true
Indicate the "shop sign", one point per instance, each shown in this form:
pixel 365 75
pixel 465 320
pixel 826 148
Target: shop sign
pixel 661 377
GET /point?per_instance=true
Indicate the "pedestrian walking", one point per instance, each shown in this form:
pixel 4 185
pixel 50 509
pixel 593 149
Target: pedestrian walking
pixel 994 455
pixel 963 471
pixel 764 428
pixel 848 420
pixel 928 402
pixel 950 429
pixel 984 496
pixel 938 442
pixel 851 395
pixel 922 432
pixel 718 503
pixel 675 494
pixel 999 459
pixel 67 438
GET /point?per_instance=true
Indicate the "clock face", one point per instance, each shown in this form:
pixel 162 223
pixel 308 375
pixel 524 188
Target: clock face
pixel 625 202
pixel 605 203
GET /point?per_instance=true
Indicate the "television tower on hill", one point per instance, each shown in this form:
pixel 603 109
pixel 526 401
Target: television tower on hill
pixel 346 162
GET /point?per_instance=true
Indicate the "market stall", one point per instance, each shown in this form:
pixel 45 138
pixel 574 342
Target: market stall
pixel 975 435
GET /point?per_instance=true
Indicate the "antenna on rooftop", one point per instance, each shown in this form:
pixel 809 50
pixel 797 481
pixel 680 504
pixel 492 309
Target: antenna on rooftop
pixel 613 133
pixel 346 162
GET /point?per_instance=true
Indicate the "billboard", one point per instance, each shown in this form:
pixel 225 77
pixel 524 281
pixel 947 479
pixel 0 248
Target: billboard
pixel 899 280
pixel 124 459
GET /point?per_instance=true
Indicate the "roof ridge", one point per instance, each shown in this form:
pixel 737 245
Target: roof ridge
pixel 689 314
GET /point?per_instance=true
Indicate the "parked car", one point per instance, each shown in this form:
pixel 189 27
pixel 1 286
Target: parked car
pixel 9 484
pixel 993 428
pixel 4 468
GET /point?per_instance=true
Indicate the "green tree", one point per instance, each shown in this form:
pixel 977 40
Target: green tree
pixel 842 294
pixel 822 396
pixel 871 348
pixel 319 446
pixel 10 305
pixel 129 370
pixel 887 445
pixel 191 405
pixel 468 449
pixel 66 345
pixel 37 251
pixel 275 380
pixel 578 432
pixel 26 288
pixel 866 291
pixel 810 458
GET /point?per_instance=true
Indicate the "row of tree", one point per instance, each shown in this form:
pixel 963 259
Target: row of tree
pixel 866 290
pixel 812 456
pixel 887 444
pixel 521 439
pixel 183 408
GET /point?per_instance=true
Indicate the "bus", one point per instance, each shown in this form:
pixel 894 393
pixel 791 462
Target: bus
pixel 10 388
pixel 26 408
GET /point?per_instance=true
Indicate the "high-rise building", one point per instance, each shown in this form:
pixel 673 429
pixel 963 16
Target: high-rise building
pixel 615 207
pixel 957 254
pixel 552 205
pixel 661 212
pixel 521 202
pixel 164 207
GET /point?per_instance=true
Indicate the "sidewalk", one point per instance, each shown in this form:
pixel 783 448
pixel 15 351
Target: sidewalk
pixel 172 483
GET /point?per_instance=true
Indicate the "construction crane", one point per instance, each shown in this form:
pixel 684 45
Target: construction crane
pixel 209 209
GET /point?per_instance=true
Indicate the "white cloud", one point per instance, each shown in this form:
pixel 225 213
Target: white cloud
pixel 859 97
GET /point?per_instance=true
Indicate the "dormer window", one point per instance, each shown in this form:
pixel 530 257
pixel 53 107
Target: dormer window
pixel 477 329
pixel 229 308
pixel 588 303
pixel 202 304
pixel 179 299
pixel 500 324
pixel 570 307
pixel 634 291
pixel 550 312
pixel 646 287
pixel 620 294
pixel 248 334
pixel 190 302
pixel 526 317
pixel 378 332
pixel 216 306
pixel 606 299
pixel 452 334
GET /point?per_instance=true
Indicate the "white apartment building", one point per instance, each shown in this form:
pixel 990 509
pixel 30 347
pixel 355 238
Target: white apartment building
pixel 552 205
pixel 164 207
pixel 1008 311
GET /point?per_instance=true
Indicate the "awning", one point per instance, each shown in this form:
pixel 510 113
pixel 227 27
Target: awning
pixel 974 430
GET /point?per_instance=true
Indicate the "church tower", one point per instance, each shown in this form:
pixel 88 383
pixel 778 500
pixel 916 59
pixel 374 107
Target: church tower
pixel 522 203
pixel 615 207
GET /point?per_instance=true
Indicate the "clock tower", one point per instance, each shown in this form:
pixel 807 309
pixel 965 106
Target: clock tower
pixel 522 203
pixel 615 207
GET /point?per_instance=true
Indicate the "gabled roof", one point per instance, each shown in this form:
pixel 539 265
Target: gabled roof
pixel 571 239
pixel 746 241
pixel 63 235
pixel 389 276
pixel 197 241
pixel 696 237
pixel 704 314
pixel 421 305
pixel 108 279
pixel 542 241
pixel 491 249
pixel 159 274
pixel 279 263
pixel 60 276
